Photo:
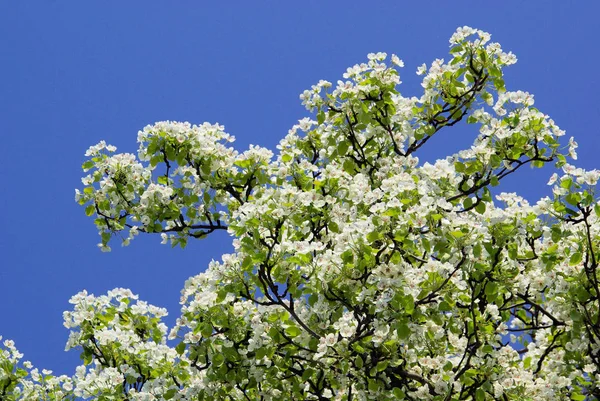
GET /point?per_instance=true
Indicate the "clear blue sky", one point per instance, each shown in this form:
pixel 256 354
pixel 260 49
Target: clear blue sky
pixel 75 72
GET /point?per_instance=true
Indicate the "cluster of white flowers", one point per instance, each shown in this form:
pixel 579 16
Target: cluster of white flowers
pixel 579 175
pixel 357 271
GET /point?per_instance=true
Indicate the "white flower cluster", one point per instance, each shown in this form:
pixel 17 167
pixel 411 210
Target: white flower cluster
pixel 357 270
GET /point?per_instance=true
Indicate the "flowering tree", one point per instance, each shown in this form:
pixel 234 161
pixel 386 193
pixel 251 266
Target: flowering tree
pixel 358 273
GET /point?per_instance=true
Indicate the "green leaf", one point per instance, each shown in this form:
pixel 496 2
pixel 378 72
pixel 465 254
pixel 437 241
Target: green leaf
pixel 398 393
pixel 206 330
pixel 571 211
pixel 494 71
pixel 180 348
pixel 409 305
pixel 566 183
pixel 308 373
pixel 86 355
pixel 320 117
pixel 274 334
pixel 444 306
pixel 382 365
pixel 477 250
pixel 491 288
pixel 373 236
pixel 293 331
pixel 205 167
pixel 403 331
pixel 347 256
pixel 456 49
pixel 87 165
pixel 358 362
pixel 342 148
pixel 90 210
pixel 154 160
pixel 457 234
pixel 261 353
pixel 218 359
pixel 348 166
pixel 575 259
pixel 573 199
pixel 373 385
pixel 358 348
pixel 499 84
pixel 247 262
pixel 333 227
